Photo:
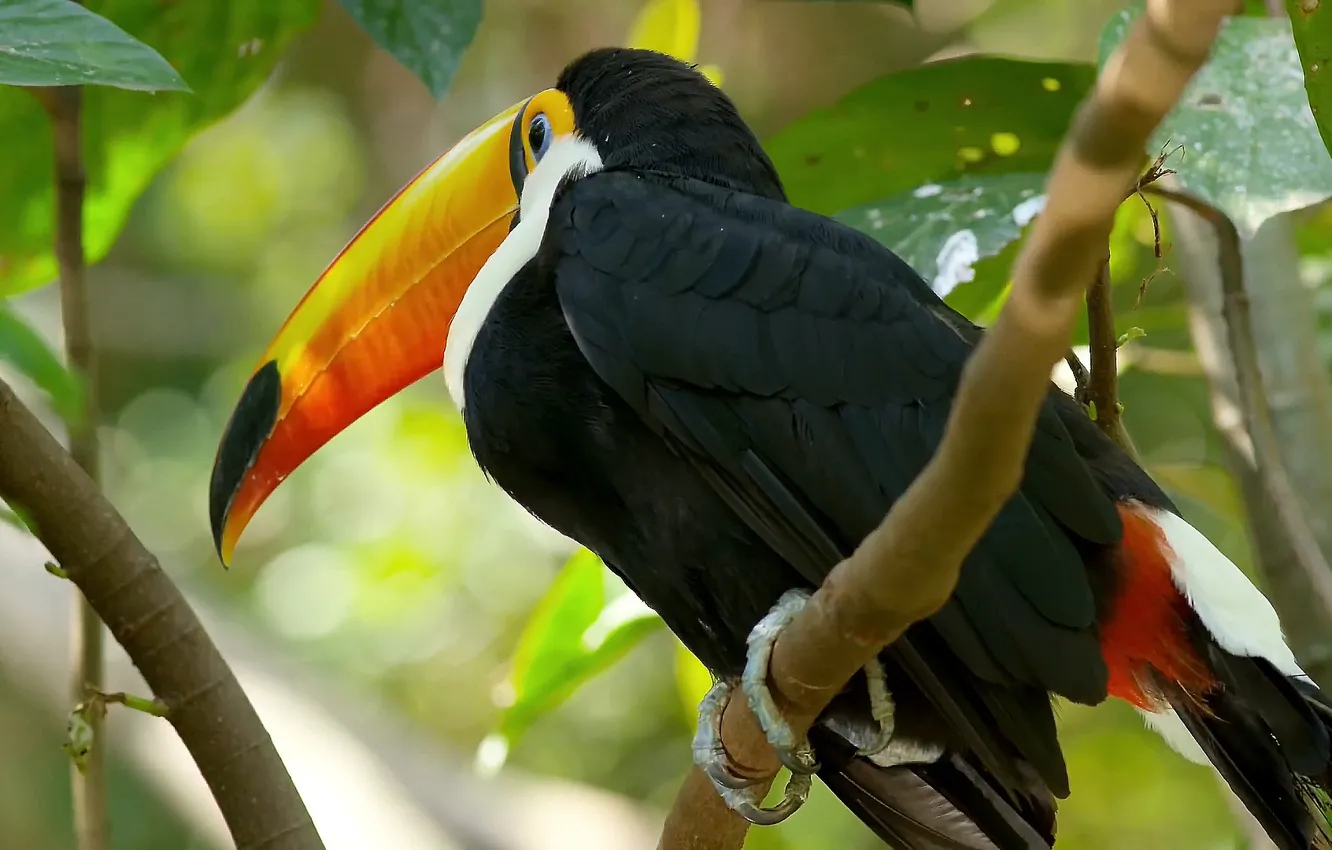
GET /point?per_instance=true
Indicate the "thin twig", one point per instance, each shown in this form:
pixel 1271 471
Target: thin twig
pixel 907 567
pixel 159 631
pixel 1253 404
pixel 1103 388
pixel 1098 390
pixel 65 108
pixel 1155 171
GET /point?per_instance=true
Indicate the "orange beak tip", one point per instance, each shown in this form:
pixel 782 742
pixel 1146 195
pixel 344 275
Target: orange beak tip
pixel 376 320
pixel 250 426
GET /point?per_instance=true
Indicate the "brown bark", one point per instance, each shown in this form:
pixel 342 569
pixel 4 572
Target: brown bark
pixel 1103 381
pixel 145 612
pixel 64 106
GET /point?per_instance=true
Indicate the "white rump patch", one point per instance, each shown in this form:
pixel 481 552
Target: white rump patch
pixel 1239 617
pixel 1235 613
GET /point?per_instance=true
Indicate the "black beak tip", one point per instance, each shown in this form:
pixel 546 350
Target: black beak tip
pixel 250 425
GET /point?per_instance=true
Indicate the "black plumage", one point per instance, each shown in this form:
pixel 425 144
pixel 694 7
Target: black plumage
pixel 721 395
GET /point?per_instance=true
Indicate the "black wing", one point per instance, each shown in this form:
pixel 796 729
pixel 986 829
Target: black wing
pixel 808 371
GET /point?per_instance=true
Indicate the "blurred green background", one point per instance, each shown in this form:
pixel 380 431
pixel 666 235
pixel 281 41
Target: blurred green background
pixel 376 599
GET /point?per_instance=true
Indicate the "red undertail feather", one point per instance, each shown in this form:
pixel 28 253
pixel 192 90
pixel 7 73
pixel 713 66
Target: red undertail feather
pixel 1147 621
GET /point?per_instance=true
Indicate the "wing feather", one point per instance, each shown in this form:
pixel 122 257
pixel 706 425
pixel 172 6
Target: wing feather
pixel 808 373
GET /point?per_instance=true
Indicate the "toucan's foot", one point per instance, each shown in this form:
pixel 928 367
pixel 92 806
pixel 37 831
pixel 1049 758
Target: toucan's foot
pixel 741 793
pixel 796 755
pixel 744 795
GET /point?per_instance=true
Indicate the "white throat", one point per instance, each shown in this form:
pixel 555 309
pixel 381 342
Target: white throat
pixel 567 154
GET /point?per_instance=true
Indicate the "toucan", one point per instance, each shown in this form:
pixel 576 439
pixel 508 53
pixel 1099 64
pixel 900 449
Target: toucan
pixel 720 394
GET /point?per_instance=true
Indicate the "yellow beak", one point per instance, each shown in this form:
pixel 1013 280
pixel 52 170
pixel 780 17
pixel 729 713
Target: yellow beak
pixel 374 322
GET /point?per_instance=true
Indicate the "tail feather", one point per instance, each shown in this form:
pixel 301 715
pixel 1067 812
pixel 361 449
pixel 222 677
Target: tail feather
pixel 1268 735
pixel 1237 688
pixel 1273 697
pixel 946 805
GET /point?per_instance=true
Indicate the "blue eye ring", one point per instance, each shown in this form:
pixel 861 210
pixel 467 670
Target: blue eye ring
pixel 540 135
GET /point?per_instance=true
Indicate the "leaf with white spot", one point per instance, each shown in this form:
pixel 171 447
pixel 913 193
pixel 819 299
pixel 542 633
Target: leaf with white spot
pixel 967 117
pixel 944 229
pixel 1250 144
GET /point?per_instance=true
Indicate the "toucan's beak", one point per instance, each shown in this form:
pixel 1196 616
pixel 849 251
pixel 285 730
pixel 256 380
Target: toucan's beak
pixel 376 321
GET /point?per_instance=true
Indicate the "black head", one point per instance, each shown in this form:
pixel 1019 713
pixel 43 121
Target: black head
pixel 650 112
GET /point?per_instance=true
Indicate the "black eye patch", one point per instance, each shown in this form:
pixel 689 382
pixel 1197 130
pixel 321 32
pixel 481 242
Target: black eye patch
pixel 517 154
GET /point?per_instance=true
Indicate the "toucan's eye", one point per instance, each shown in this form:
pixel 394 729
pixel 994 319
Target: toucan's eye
pixel 539 135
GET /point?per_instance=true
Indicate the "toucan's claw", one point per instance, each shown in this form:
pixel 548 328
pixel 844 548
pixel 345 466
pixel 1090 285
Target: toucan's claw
pixel 795 754
pixel 744 795
pixel 747 802
pixel 882 708
pixel 709 752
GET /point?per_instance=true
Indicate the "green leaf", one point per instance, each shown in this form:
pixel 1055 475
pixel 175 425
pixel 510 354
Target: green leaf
pixel 1129 335
pixel 1251 147
pixel 25 350
pixel 60 43
pixel 1311 25
pixel 692 681
pixel 227 47
pixel 944 229
pixel 427 36
pixel 572 636
pixel 16 519
pixel 935 123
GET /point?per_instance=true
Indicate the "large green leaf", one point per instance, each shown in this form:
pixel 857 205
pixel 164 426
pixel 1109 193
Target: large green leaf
pixel 1251 147
pixel 938 122
pixel 60 43
pixel 944 229
pixel 25 350
pixel 1311 24
pixel 427 36
pixel 572 636
pixel 227 48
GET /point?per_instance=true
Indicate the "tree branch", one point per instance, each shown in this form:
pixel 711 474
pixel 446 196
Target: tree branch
pixel 161 634
pixel 1296 389
pixel 1102 393
pixel 1304 619
pixel 907 568
pixel 65 108
pixel 1290 582
pixel 1266 449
